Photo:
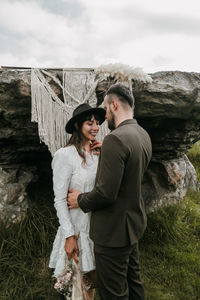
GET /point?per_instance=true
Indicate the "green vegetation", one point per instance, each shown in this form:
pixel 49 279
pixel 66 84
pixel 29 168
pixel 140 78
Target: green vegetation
pixel 170 252
pixel 24 255
pixel 194 156
pixel 170 247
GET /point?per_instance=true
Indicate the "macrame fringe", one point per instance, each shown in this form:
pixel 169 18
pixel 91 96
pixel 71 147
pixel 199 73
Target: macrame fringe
pixel 79 86
pixel 49 112
pixel 82 85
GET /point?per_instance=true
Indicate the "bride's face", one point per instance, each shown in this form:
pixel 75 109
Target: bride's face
pixel 90 129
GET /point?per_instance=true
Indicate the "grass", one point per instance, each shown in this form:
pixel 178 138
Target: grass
pixel 24 255
pixel 170 247
pixel 194 157
pixel 169 252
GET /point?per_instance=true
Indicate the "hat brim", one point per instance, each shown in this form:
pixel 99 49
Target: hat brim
pixel 96 111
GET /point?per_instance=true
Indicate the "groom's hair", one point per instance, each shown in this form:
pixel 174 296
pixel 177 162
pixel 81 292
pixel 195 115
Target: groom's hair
pixel 122 92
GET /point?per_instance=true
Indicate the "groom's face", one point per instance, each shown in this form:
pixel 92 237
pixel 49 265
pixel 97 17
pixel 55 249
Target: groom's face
pixel 110 118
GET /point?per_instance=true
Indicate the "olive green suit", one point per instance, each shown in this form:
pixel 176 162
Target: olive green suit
pixel 118 215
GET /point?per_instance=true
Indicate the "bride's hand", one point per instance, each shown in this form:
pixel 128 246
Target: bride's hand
pixel 96 146
pixel 71 247
pixel 72 199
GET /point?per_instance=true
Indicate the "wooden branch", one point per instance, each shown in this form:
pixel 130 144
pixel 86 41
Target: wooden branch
pixel 53 69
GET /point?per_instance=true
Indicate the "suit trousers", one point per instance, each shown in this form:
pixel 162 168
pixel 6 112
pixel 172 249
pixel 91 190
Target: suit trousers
pixel 118 273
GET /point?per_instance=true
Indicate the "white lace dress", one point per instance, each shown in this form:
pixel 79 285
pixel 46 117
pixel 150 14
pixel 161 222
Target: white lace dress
pixel 70 173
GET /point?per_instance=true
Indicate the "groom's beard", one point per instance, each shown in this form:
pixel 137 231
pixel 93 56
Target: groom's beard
pixel 111 122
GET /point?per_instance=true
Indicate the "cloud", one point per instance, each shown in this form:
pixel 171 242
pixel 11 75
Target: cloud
pixel 160 60
pixel 171 23
pixel 130 17
pixel 41 34
pixel 28 18
pixel 85 33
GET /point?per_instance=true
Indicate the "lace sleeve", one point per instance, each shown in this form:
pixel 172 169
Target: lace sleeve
pixel 62 173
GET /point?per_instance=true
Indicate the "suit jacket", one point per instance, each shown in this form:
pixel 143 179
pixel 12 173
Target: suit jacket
pixel 118 214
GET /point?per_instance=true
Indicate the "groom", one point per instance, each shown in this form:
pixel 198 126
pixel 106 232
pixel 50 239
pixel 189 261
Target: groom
pixel 118 217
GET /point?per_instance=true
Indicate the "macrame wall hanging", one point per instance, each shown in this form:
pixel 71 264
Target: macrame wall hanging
pixel 78 86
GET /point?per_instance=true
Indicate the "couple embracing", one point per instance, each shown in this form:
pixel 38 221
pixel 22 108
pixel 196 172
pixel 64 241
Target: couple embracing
pixel 98 196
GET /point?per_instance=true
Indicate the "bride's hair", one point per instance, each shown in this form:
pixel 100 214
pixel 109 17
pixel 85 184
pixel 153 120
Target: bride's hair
pixel 77 137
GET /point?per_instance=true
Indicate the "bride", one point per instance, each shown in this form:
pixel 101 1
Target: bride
pixel 74 167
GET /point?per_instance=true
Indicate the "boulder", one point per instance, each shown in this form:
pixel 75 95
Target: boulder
pixel 168 108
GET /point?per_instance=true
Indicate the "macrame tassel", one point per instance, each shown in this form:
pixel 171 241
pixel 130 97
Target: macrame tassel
pixel 48 111
pixel 34 93
pixel 79 86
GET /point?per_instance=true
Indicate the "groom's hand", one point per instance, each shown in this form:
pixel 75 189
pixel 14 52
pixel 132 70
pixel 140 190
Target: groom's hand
pixel 72 198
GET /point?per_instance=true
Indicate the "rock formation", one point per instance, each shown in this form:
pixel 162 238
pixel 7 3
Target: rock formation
pixel 168 108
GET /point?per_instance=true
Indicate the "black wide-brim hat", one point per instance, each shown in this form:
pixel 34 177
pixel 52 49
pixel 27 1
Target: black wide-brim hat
pixel 80 111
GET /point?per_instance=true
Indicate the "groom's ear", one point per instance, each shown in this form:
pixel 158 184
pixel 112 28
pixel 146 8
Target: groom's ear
pixel 114 104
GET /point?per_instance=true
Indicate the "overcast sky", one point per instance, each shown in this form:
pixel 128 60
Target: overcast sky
pixel 152 34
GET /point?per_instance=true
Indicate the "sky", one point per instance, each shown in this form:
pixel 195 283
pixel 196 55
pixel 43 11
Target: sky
pixel 155 35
